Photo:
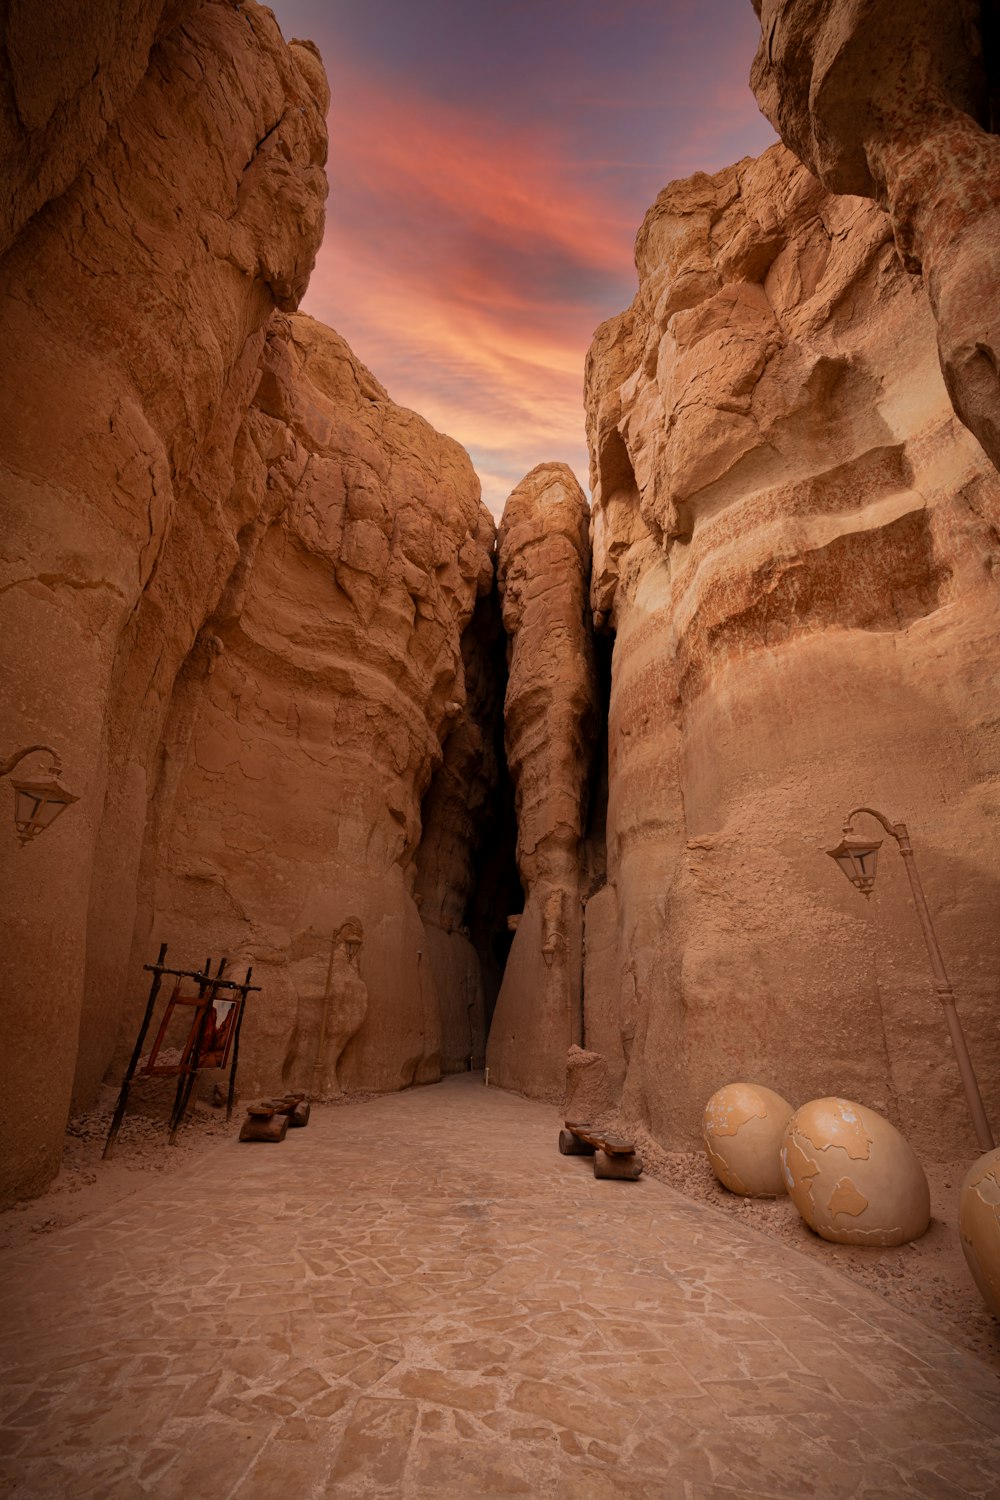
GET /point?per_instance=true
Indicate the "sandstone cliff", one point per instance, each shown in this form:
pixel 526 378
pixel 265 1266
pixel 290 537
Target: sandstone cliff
pixel 310 717
pixel 550 726
pixel 135 308
pixel 795 546
pixel 235 576
pixel 466 824
pixel 899 104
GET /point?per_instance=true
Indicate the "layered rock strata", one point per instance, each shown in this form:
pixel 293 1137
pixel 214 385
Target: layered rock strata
pixel 62 90
pixel 550 727
pixel 135 308
pixel 899 104
pixel 795 546
pixel 235 575
pixel 293 796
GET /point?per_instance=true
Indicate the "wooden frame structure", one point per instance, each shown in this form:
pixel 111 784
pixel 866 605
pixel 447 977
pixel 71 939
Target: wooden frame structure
pixel 213 1036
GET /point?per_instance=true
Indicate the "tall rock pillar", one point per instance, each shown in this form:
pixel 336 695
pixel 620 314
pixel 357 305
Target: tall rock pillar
pixel 543 572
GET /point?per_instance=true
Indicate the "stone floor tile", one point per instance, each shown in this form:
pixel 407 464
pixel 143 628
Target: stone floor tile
pixel 461 1470
pixel 443 1390
pixel 374 1449
pixel 428 1321
pixel 574 1409
pixel 284 1467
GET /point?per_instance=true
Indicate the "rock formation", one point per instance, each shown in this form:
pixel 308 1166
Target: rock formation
pixel 795 547
pixel 250 603
pixel 460 819
pixel 550 725
pixel 134 309
pixel 898 107
pixel 235 576
pixel 589 1096
pixel 345 1005
pixel 63 88
pixel 291 793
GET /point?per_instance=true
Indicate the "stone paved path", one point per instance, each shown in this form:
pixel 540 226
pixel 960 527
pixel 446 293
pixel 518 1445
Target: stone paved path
pixel 419 1297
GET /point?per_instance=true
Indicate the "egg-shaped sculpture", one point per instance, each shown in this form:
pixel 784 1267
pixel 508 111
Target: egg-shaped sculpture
pixel 979 1226
pixel 852 1176
pixel 743 1127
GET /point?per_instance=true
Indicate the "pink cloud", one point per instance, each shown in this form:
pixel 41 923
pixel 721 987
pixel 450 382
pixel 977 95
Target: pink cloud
pixel 463 269
pixel 470 253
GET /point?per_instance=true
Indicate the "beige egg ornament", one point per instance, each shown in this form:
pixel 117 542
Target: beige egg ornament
pixel 979 1226
pixel 743 1127
pixel 852 1176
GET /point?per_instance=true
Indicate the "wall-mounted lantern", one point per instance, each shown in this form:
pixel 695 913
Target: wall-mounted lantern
pixel 858 858
pixel 37 804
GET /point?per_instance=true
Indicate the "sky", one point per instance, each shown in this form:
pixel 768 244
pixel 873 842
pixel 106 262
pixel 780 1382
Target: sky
pixel 490 165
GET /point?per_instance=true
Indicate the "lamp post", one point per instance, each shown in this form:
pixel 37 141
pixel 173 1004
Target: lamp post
pixel 858 858
pixel 37 804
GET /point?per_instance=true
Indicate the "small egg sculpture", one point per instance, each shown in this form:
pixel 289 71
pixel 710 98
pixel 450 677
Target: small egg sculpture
pixel 743 1127
pixel 979 1226
pixel 852 1176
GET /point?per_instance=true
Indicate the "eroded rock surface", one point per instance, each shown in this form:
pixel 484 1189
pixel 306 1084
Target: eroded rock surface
pixel 235 574
pixel 894 102
pixel 337 676
pixel 135 310
pixel 62 89
pixel 460 820
pixel 795 545
pixel 542 569
pixel 589 1096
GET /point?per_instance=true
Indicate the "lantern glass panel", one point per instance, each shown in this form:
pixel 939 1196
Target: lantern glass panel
pixel 37 804
pixel 48 811
pixel 858 858
pixel 26 806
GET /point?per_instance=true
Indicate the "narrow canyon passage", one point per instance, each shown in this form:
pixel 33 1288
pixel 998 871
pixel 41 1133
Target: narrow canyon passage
pixel 418 1296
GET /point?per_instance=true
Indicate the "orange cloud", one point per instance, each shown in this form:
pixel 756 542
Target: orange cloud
pixel 469 273
pixel 514 185
pixel 472 248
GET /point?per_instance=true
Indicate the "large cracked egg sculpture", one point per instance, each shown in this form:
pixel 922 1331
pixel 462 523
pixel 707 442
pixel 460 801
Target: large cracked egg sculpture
pixel 743 1127
pixel 979 1226
pixel 852 1176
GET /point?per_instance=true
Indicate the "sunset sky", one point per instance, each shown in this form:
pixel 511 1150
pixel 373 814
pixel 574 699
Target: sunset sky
pixel 490 164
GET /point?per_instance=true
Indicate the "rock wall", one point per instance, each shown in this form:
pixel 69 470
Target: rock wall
pixel 459 820
pixel 248 601
pixel 234 576
pixel 795 548
pixel 134 312
pixel 550 728
pixel 899 104
pixel 63 88
pixel 290 798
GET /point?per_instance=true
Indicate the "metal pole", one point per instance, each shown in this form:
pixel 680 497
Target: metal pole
pixel 8 765
pixel 119 1113
pixel 942 984
pixel 946 995
pixel 245 989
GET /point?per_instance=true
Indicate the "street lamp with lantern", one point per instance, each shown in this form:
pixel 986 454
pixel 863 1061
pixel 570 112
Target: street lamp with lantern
pixel 37 804
pixel 858 858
